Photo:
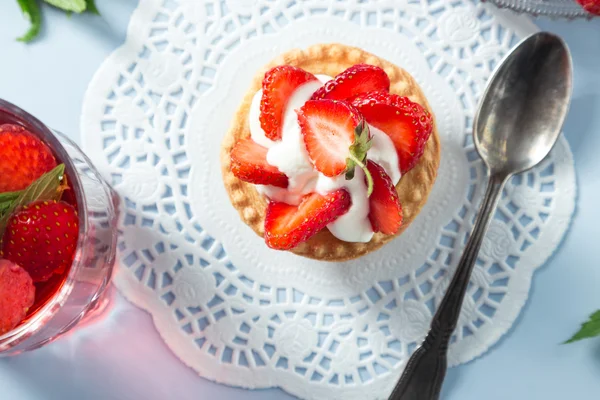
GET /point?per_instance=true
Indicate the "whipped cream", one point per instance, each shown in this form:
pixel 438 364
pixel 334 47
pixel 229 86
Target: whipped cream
pixel 289 155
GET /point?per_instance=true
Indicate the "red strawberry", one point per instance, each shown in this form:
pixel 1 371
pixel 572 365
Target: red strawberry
pixel 335 136
pixel 408 124
pixel 278 85
pixel 591 6
pixel 355 80
pixel 249 163
pixel 24 158
pixel 17 295
pixel 42 238
pixel 328 131
pixel 385 211
pixel 286 226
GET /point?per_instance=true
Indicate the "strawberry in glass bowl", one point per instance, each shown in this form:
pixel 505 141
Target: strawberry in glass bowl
pixel 57 233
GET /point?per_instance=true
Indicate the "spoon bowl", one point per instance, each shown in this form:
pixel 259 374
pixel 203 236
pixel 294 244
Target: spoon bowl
pixel 524 106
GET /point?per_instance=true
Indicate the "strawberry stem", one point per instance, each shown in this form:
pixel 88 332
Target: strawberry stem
pixel 366 171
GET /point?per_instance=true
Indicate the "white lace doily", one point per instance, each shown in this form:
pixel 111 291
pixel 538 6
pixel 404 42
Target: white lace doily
pixel 239 313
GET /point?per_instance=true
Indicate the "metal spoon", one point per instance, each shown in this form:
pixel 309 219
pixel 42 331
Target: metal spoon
pixel 518 122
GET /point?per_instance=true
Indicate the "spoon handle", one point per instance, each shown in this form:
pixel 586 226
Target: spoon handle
pixel 425 370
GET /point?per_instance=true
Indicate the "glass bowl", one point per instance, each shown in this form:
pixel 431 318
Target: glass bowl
pixel 94 259
pixel 552 8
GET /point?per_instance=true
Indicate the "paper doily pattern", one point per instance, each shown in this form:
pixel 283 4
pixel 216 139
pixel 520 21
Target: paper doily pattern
pixel 239 313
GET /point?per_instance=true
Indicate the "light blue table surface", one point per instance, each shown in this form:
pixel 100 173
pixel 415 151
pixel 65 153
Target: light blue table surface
pixel 122 357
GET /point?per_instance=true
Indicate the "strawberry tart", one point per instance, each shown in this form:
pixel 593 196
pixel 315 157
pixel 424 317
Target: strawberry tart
pixel 332 153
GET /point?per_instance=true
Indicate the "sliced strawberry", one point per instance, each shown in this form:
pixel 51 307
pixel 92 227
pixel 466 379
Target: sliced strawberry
pixel 336 137
pixel 17 295
pixel 24 158
pixel 328 130
pixel 249 163
pixel 408 124
pixel 42 238
pixel 286 226
pixel 385 211
pixel 360 78
pixel 278 85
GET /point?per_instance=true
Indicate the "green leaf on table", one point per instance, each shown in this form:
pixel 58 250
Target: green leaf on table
pixel 76 6
pixel 31 11
pixel 590 328
pixel 91 7
pixel 47 187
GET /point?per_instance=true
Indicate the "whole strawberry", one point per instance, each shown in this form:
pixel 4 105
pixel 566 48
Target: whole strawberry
pixel 24 158
pixel 42 238
pixel 591 6
pixel 17 295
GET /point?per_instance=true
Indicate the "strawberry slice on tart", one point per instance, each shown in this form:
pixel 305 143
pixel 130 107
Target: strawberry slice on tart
pixel 385 210
pixel 336 138
pixel 287 225
pixel 359 78
pixel 249 163
pixel 277 87
pixel 407 123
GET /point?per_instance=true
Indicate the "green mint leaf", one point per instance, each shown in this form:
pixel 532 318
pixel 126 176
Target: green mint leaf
pixel 9 196
pixel 76 6
pixel 6 200
pixel 31 11
pixel 46 187
pixel 91 7
pixel 590 328
pixel 3 208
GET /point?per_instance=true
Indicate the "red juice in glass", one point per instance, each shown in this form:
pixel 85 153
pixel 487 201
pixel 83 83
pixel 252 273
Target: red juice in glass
pixel 44 290
pixel 57 233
